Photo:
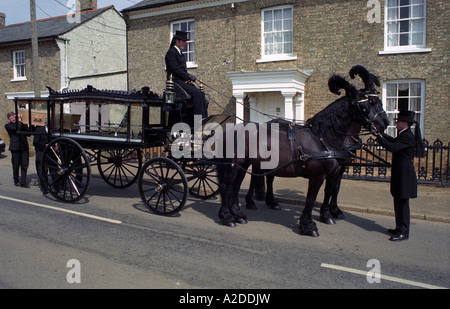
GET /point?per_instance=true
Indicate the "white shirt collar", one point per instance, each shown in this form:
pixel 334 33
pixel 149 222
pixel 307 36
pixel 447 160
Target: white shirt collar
pixel 178 49
pixel 402 131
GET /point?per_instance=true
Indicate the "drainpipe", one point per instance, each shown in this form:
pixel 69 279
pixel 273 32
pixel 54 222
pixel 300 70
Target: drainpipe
pixel 65 84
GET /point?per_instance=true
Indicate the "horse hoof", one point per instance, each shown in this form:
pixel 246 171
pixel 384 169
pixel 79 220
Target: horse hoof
pixel 229 224
pixel 340 216
pixel 275 207
pixel 251 206
pixel 312 233
pixel 241 221
pixel 329 221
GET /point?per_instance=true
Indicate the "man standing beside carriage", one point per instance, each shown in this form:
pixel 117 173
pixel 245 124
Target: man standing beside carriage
pixel 40 141
pixel 19 149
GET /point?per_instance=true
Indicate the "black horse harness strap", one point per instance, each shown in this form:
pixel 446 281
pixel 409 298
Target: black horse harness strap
pixel 327 154
pixel 291 134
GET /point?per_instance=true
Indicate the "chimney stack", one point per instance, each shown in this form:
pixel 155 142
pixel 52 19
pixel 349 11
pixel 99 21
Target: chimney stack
pixel 85 5
pixel 2 19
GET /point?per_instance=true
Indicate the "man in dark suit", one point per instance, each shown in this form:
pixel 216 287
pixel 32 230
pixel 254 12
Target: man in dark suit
pixel 176 67
pixel 40 141
pixel 403 174
pixel 18 145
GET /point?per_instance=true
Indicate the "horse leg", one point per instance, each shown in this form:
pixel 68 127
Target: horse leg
pixel 238 214
pixel 270 199
pixel 250 204
pixel 335 211
pixel 325 215
pixel 307 225
pixel 225 176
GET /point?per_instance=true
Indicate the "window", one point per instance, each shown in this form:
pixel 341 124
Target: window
pixel 189 51
pixel 277 34
pixel 404 95
pixel 19 65
pixel 405 26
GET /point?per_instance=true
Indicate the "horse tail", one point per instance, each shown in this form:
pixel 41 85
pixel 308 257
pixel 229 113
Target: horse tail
pixel 368 78
pixel 337 82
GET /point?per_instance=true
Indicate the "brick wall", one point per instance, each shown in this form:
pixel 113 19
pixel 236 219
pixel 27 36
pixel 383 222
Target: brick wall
pixel 49 67
pixel 329 37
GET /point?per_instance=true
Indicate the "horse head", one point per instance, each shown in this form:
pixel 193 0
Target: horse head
pixel 369 105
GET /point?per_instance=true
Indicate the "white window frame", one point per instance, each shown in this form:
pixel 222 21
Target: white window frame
pixel 281 56
pixel 420 114
pixel 16 76
pixel 398 49
pixel 190 43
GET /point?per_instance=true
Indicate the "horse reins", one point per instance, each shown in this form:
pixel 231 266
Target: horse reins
pixel 327 154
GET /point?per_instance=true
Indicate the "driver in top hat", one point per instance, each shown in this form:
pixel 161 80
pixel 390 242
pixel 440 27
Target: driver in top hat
pixel 176 66
pixel 403 174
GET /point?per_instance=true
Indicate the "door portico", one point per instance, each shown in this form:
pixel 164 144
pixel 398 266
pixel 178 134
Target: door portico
pixel 270 92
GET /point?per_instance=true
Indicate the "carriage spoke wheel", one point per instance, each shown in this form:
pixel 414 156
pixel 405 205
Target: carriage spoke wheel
pixel 202 179
pixel 66 170
pixel 119 168
pixel 163 186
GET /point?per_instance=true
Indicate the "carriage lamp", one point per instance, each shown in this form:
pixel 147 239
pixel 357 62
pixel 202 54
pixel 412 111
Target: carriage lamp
pixel 169 94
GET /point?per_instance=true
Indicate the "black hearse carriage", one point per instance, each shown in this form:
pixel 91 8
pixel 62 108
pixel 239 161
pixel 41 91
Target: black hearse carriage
pixel 115 130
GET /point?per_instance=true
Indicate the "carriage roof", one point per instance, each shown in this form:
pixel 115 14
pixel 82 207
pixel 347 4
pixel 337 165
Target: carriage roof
pixel 90 93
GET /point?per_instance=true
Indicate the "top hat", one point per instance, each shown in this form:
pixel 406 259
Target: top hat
pixel 406 116
pixel 180 35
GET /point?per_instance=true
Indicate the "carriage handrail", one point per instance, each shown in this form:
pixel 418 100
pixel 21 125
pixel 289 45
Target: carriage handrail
pixel 90 93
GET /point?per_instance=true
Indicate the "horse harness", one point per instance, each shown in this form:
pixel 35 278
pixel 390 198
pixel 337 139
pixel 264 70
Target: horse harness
pixel 325 154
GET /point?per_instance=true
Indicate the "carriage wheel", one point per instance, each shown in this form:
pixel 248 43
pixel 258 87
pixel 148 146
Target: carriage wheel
pixel 66 170
pixel 119 168
pixel 163 186
pixel 202 179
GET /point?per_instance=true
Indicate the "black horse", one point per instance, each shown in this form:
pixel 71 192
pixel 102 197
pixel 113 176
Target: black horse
pixel 314 151
pixel 332 184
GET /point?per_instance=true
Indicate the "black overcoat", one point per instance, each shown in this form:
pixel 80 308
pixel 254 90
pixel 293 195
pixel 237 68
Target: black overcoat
pixel 16 142
pixel 403 174
pixel 40 139
pixel 176 65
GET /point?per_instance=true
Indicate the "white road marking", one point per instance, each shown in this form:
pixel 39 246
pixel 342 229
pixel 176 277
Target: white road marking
pixel 82 214
pixel 383 277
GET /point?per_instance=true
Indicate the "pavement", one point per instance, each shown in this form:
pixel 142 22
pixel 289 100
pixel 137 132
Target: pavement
pixel 432 203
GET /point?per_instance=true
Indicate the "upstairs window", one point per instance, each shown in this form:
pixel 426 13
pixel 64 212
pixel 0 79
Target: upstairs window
pixel 189 51
pixel 19 65
pixel 405 25
pixel 277 34
pixel 404 95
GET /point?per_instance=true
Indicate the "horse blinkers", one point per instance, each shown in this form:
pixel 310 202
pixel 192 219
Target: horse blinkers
pixel 366 106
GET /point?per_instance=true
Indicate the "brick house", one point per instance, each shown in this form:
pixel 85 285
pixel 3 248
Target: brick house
pixel 74 50
pixel 280 53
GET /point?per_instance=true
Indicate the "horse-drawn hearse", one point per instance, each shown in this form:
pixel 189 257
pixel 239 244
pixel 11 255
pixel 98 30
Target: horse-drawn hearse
pixel 112 129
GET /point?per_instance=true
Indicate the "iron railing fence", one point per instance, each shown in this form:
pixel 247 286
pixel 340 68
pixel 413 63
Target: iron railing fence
pixel 433 168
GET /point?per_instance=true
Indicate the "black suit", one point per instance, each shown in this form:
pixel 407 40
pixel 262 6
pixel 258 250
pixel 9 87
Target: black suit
pixel 176 66
pixel 18 145
pixel 403 175
pixel 40 141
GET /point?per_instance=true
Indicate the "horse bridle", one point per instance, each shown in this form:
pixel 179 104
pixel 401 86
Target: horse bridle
pixel 364 113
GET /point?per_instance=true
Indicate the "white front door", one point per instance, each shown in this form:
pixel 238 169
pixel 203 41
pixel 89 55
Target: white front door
pixel 270 103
